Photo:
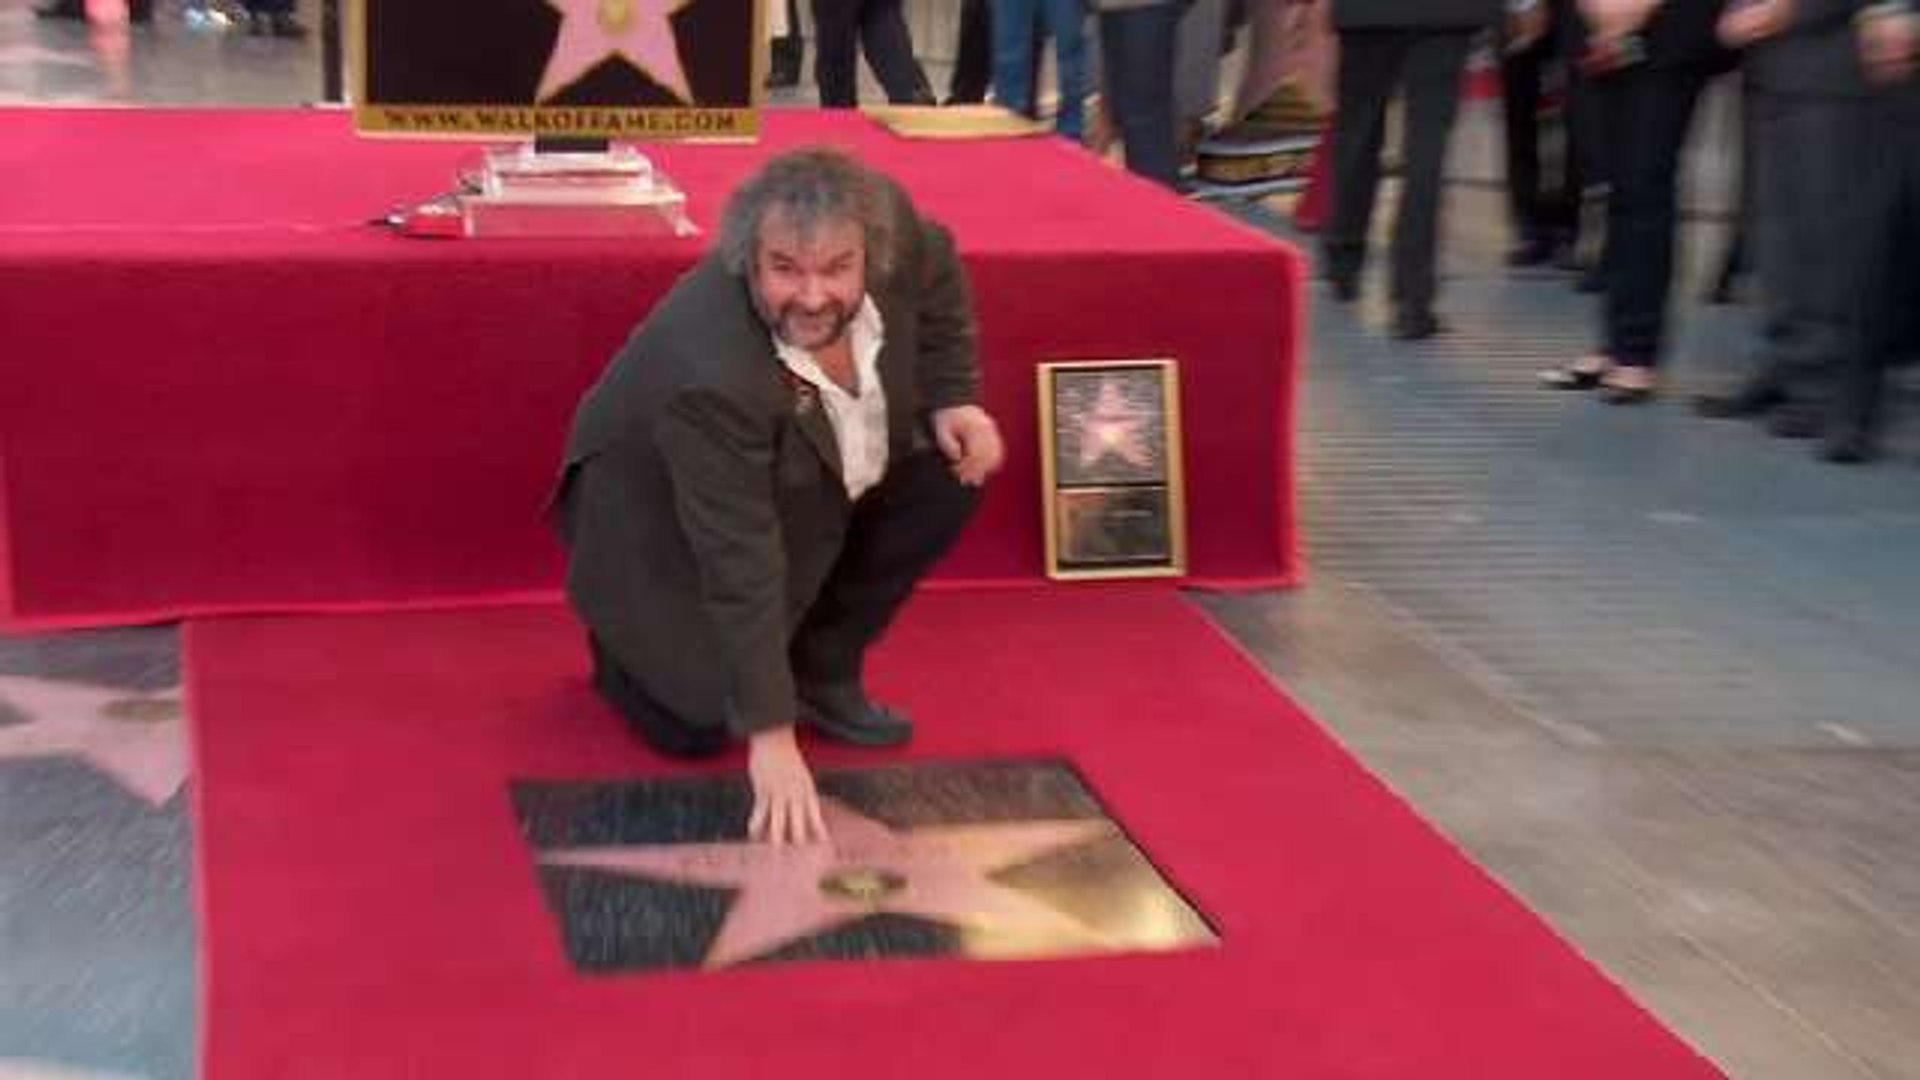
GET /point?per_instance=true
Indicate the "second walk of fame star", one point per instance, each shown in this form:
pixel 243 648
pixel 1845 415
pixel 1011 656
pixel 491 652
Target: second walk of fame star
pixel 638 31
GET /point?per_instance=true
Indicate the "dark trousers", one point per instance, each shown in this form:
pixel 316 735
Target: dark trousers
pixel 973 58
pixel 899 529
pixel 1647 111
pixel 1373 63
pixel 789 49
pixel 845 28
pixel 1136 59
pixel 1809 156
pixel 1887 308
pixel 1540 211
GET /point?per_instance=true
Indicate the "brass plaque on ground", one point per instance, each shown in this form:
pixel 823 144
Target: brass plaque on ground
pixel 981 860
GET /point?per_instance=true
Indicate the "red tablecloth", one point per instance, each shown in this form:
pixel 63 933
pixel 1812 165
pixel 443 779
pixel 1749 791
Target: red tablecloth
pixel 221 389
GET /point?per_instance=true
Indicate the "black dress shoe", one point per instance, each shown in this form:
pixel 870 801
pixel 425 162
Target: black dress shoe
pixel 784 71
pixel 1533 251
pixel 844 712
pixel 1416 324
pixel 1750 400
pixel 1850 447
pixel 1797 420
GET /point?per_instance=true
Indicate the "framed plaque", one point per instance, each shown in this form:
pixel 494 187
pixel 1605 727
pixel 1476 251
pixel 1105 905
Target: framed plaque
pixel 1112 487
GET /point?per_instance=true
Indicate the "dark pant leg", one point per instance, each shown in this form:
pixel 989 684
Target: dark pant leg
pixel 652 721
pixel 1887 303
pixel 1137 53
pixel 1435 64
pixel 1370 63
pixel 789 49
pixel 973 61
pixel 836 27
pixel 900 528
pixel 1520 77
pixel 1810 156
pixel 1648 112
pixel 889 47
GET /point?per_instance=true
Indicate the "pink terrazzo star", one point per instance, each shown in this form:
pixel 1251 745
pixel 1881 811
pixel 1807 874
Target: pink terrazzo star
pixel 790 893
pixel 1115 426
pixel 136 738
pixel 637 30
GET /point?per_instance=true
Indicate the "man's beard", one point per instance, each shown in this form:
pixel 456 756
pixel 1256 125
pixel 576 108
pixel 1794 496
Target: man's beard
pixel 786 324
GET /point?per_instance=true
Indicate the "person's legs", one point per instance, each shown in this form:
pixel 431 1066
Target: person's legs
pixel 1137 44
pixel 836 26
pixel 1649 111
pixel 788 50
pixel 1808 159
pixel 1196 66
pixel 1520 79
pixel 653 722
pixel 1369 70
pixel 973 59
pixel 1013 54
pixel 889 48
pixel 1434 66
pixel 1066 21
pixel 900 528
pixel 1886 308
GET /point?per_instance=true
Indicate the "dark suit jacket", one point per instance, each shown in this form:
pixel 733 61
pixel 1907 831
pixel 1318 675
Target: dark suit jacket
pixel 701 495
pixel 1685 34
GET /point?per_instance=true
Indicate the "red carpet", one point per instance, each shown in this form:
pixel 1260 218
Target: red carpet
pixel 225 391
pixel 371 911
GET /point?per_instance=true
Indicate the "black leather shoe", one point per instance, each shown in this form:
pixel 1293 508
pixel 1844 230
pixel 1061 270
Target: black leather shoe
pixel 1750 400
pixel 1853 447
pixel 784 71
pixel 1797 420
pixel 1416 324
pixel 1533 251
pixel 846 714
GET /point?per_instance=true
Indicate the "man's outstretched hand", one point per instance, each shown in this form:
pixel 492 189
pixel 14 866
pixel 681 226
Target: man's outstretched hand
pixel 786 808
pixel 971 441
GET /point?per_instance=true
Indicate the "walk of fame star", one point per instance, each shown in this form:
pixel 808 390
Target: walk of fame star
pixel 1115 427
pixel 135 738
pixel 787 894
pixel 639 31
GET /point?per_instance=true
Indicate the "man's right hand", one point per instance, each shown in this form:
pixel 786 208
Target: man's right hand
pixel 786 808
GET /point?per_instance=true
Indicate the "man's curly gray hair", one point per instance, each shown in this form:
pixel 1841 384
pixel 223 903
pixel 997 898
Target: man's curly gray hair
pixel 810 187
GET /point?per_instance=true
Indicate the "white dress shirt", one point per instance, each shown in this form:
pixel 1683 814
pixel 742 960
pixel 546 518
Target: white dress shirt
pixel 859 419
